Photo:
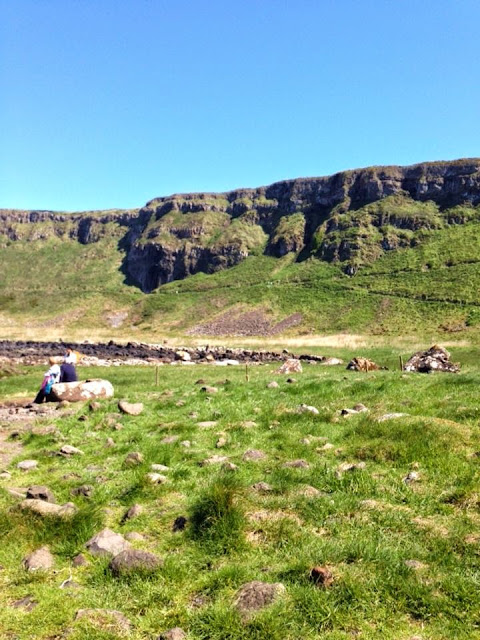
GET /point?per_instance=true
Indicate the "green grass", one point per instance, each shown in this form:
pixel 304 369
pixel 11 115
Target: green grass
pixel 364 524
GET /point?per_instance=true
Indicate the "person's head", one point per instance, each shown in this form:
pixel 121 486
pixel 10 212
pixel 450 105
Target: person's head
pixel 52 360
pixel 70 357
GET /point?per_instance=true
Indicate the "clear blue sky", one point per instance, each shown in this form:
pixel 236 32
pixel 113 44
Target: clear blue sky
pixel 109 103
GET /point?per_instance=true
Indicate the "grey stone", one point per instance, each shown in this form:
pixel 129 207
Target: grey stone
pixel 82 390
pixel 252 455
pixel 262 487
pixel 134 511
pixel 273 385
pixel 107 542
pixel 40 559
pixel 134 561
pixel 130 408
pixel 27 465
pixel 256 595
pixel 68 450
pixel 296 464
pixel 40 492
pixel 48 509
pixel 305 408
pixel 134 458
pixel 156 478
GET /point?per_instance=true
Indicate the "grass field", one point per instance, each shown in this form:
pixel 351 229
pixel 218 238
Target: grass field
pixel 405 555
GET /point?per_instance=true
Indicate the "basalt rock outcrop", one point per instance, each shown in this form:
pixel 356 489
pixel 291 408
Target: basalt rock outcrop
pixel 351 217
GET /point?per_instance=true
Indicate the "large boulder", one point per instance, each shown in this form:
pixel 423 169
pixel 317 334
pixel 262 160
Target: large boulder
pixel 82 390
pixel 434 359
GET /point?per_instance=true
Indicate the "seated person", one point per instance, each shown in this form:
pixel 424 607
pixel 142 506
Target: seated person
pixel 67 369
pixel 51 377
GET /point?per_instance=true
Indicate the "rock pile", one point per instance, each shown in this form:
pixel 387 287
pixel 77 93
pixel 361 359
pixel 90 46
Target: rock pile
pixel 434 359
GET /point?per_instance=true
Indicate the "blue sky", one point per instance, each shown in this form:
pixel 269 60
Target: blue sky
pixel 108 104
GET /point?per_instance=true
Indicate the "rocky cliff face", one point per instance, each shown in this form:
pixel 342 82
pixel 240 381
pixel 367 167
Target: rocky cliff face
pixel 351 217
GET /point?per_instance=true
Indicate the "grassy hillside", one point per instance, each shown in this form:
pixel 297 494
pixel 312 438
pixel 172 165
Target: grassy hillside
pixel 57 287
pixel 399 534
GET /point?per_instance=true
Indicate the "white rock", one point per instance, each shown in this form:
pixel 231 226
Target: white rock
pixel 27 465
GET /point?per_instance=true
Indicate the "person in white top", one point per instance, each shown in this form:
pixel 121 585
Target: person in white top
pixel 49 379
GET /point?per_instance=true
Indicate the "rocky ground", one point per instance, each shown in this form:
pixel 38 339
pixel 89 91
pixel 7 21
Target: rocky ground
pixel 138 353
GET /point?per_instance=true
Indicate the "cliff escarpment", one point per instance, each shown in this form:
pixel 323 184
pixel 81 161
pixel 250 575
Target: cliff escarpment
pixel 352 218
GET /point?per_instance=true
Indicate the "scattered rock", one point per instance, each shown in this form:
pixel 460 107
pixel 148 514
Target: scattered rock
pixel 249 424
pixel 321 576
pixel 273 385
pixel 305 408
pixel 229 466
pixel 292 365
pixel 291 380
pixel 134 561
pixel 206 424
pixel 130 408
pixel 221 442
pixel 107 542
pixel 48 509
pixel 326 447
pixel 361 408
pixel 82 390
pixel 252 455
pixel 412 476
pixel 173 634
pixel 109 443
pixel 179 524
pixel 134 511
pixel 362 364
pixel 133 536
pixel 331 361
pixel 296 464
pixel 40 559
pixel 169 440
pixel 156 478
pixel 256 595
pixel 215 459
pixel 348 467
pixel 262 487
pixel 134 458
pixel 27 602
pixel 105 619
pixel 186 444
pixel 79 560
pixel 391 416
pixel 84 490
pixel 358 408
pixel 159 467
pixel 209 390
pixel 40 492
pixel 94 406
pixel 27 465
pixel 68 450
pixel 434 359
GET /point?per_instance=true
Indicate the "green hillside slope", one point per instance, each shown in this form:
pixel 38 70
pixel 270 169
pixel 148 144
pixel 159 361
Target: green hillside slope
pixel 58 285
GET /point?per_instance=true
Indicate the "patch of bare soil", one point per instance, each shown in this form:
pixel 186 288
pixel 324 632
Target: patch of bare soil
pixel 247 323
